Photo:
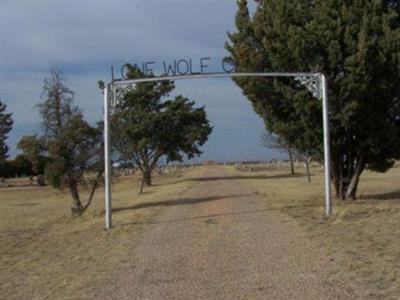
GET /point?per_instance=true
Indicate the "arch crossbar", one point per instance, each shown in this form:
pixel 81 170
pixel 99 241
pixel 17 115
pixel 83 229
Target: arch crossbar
pixel 320 90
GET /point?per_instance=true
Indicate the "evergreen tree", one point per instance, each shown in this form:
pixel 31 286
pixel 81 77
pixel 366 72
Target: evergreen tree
pixel 146 127
pixel 6 123
pixel 71 146
pixel 356 44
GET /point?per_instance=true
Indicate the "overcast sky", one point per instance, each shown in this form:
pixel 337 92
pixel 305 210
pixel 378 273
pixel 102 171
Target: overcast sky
pixel 84 38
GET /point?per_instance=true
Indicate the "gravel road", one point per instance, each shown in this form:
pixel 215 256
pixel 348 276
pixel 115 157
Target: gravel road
pixel 219 241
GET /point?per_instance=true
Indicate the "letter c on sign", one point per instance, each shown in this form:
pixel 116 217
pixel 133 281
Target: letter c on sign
pixel 227 65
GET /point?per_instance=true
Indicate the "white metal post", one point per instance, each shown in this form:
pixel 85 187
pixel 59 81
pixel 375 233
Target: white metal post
pixel 107 158
pixel 327 144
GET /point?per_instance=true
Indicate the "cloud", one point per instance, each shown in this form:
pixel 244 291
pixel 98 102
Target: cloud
pixel 84 38
pixel 39 34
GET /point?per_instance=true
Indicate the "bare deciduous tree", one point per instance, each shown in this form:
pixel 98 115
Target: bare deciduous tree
pixel 272 141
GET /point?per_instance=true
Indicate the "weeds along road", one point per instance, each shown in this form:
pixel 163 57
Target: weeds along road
pixel 219 241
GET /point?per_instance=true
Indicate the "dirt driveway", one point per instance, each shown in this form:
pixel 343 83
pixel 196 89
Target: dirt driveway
pixel 219 241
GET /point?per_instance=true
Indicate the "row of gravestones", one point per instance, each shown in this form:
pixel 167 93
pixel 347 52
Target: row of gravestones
pixel 271 163
pixel 31 180
pixel 159 170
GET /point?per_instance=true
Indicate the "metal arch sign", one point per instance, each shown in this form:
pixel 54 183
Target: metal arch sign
pixel 182 67
pixel 316 82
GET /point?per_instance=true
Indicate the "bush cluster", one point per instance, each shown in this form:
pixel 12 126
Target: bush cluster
pixel 19 166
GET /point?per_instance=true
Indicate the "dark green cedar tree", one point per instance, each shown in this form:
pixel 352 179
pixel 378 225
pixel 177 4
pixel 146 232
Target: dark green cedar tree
pixel 6 123
pixel 356 44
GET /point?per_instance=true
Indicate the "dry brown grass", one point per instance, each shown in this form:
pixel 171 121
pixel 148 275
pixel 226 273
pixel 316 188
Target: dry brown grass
pixel 47 254
pixel 362 237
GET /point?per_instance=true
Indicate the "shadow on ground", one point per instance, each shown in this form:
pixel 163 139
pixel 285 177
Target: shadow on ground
pixel 394 195
pixel 206 217
pixel 221 215
pixel 183 201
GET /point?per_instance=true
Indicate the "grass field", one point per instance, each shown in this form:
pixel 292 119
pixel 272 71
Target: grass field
pixel 47 254
pixel 362 236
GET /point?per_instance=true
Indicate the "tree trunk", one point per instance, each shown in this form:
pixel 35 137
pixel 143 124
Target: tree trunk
pixel 353 185
pixel 141 185
pixel 342 188
pixel 346 171
pixel 93 190
pixel 147 177
pixel 307 163
pixel 335 184
pixel 77 208
pixel 337 177
pixel 291 161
